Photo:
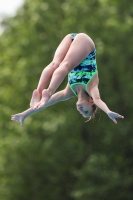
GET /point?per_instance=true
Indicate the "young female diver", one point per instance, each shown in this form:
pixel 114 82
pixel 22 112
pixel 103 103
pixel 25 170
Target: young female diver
pixel 75 57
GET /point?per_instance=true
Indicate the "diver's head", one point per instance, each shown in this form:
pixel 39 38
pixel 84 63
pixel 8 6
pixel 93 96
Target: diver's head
pixel 86 107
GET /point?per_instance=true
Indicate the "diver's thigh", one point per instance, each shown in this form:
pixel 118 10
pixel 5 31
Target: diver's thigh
pixel 63 48
pixel 79 49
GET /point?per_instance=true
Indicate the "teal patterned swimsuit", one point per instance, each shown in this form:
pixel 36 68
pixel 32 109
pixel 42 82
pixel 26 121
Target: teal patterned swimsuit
pixel 84 72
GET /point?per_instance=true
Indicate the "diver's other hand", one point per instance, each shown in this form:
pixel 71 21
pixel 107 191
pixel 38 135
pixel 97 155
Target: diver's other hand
pixel 113 116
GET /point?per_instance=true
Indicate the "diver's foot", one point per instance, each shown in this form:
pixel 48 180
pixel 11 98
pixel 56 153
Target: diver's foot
pixel 35 98
pixel 19 118
pixel 45 97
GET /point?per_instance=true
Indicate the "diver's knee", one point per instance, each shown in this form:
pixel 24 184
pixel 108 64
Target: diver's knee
pixel 55 64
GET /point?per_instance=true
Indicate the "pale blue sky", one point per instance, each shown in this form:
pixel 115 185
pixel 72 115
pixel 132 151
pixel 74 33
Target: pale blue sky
pixel 9 7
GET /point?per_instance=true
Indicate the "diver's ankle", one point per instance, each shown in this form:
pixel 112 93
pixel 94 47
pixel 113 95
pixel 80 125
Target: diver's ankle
pixel 38 91
pixel 50 92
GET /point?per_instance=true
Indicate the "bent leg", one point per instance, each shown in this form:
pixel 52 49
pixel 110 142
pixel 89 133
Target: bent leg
pixel 58 57
pixel 48 71
pixel 79 49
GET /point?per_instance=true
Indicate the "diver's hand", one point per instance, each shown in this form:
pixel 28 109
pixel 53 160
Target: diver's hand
pixel 113 116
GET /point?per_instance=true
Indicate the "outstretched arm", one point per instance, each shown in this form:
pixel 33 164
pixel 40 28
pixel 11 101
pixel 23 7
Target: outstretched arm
pixel 62 95
pixel 57 97
pixel 97 100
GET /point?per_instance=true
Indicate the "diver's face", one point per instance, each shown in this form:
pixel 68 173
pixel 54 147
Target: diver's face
pixel 85 107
